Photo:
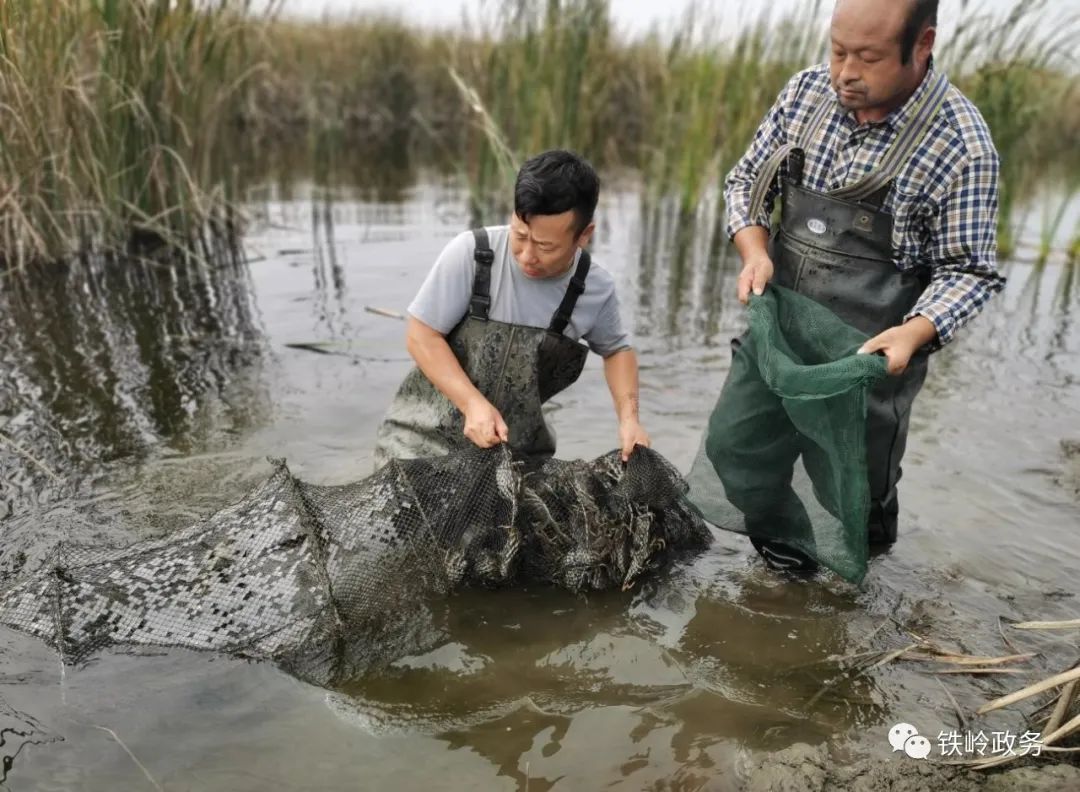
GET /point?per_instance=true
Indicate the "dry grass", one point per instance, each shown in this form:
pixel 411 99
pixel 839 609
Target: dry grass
pixel 143 120
pixel 115 115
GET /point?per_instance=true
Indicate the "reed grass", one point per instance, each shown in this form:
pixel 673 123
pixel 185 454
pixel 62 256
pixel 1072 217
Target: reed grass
pixel 1021 76
pixel 115 114
pixel 706 99
pixel 677 110
pixel 145 119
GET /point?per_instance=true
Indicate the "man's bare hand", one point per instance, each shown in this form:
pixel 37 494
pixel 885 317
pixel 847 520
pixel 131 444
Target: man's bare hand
pixel 484 426
pixel 898 344
pixel 631 433
pixel 756 272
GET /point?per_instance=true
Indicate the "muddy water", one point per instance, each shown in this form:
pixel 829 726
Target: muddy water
pixel 148 399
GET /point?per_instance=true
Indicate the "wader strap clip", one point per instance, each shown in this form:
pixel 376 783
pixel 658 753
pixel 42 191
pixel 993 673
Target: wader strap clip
pixel 484 257
pixel 766 177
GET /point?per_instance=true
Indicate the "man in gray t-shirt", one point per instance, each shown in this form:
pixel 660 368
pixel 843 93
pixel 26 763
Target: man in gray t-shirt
pixel 534 261
pixel 516 298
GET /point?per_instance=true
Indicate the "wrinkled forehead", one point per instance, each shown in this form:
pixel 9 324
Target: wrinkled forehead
pixel 861 24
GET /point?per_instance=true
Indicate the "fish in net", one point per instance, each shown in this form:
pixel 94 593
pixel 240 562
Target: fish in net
pixel 331 581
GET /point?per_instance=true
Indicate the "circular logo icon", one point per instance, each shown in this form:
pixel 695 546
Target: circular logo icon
pixel 816 226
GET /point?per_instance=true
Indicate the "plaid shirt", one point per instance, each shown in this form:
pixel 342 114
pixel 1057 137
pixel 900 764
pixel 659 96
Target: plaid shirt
pixel 944 200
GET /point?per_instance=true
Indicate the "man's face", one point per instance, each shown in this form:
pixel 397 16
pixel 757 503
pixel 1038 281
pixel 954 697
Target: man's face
pixel 866 65
pixel 544 247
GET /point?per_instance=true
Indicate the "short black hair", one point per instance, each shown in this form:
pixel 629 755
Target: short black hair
pixel 554 182
pixel 922 14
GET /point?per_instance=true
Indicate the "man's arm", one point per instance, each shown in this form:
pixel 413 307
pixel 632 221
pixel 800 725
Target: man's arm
pixel 752 242
pixel 427 346
pixel 621 373
pixel 751 232
pixel 739 184
pixel 441 302
pixel 609 339
pixel 963 256
pixel 963 251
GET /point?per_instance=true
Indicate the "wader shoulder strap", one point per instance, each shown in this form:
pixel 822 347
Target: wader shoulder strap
pixel 484 257
pixel 574 289
pixel 880 177
pixel 767 175
pixel 901 149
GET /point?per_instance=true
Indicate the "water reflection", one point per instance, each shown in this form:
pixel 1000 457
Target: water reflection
pixel 354 167
pixel 105 359
pixel 685 273
pixel 329 277
pixel 712 659
pixel 18 731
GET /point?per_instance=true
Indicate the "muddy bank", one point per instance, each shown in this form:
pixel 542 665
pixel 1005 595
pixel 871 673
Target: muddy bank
pixel 805 768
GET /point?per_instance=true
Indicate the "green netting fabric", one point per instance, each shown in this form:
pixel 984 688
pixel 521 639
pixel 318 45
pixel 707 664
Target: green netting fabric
pixel 784 453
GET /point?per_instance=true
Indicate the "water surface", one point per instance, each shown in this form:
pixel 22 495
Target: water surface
pixel 136 398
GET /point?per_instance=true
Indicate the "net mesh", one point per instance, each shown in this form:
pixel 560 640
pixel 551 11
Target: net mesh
pixel 784 453
pixel 330 581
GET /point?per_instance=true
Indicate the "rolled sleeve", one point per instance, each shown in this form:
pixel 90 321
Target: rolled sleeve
pixel 963 251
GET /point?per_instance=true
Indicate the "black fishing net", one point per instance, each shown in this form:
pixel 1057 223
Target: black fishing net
pixel 331 581
pixel 595 525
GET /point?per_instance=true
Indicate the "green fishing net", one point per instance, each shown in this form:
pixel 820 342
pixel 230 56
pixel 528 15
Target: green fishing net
pixel 784 455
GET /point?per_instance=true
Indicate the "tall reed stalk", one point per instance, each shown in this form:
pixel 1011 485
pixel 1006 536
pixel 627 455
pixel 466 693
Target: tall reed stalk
pixel 539 78
pixel 711 94
pixel 142 119
pixel 117 117
pixel 1020 73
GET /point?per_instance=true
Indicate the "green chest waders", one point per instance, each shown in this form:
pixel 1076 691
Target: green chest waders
pixel 834 249
pixel 839 253
pixel 517 368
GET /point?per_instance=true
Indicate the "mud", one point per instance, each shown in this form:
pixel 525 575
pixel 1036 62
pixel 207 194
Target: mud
pixel 805 768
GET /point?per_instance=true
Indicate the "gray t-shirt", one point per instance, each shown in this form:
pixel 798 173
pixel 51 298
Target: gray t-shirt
pixel 443 299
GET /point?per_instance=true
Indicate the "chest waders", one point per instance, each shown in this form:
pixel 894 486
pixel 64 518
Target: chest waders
pixel 517 368
pixel 836 249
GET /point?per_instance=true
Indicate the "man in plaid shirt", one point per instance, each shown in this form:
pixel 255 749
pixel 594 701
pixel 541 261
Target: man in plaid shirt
pixel 877 130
